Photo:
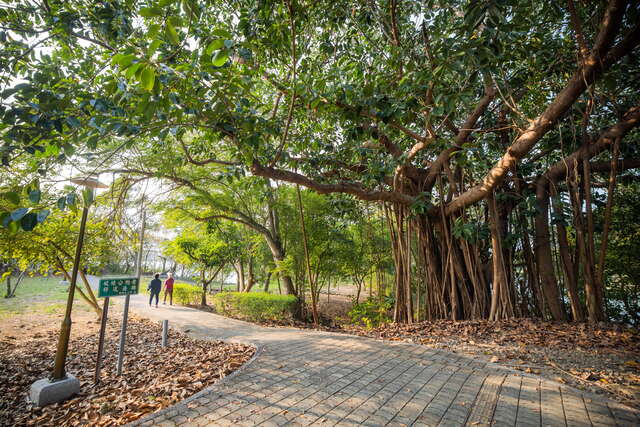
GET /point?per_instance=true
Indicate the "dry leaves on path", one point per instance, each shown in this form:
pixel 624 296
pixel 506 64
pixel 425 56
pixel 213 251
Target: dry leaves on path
pixel 154 377
pixel 599 358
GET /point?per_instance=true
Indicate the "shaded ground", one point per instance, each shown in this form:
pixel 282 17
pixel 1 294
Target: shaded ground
pixel 304 377
pixel 603 359
pixel 155 377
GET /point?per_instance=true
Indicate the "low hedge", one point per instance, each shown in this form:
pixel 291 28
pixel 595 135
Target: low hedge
pixel 183 293
pixel 255 306
pixel 186 294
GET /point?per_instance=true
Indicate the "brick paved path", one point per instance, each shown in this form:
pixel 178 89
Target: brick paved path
pixel 306 377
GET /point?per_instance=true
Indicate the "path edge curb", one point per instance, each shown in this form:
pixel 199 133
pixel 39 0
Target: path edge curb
pixel 183 403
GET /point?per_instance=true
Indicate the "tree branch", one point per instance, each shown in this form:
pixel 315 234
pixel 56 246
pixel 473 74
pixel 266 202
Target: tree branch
pixel 353 188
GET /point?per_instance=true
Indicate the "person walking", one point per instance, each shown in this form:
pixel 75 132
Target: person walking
pixel 168 289
pixel 154 289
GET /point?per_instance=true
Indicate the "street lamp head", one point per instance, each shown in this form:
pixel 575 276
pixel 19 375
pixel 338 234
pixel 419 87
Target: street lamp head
pixel 88 181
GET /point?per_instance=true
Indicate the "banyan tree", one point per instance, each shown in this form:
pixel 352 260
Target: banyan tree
pixel 485 129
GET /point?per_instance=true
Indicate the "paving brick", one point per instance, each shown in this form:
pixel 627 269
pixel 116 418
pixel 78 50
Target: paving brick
pixel 304 378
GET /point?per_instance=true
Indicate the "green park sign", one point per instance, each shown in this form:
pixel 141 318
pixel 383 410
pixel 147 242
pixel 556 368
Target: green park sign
pixel 115 287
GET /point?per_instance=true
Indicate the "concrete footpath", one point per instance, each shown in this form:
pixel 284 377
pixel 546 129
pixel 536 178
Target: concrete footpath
pixel 303 377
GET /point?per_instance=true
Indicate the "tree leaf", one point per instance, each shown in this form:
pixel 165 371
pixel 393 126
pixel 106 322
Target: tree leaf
pixel 29 221
pixel 220 58
pixel 214 45
pixel 126 60
pixel 147 78
pixel 171 32
pixel 34 196
pixel 150 12
pixel 220 32
pixel 73 122
pixel 12 197
pixel 17 214
pixel 153 46
pixel 42 215
pixel 131 71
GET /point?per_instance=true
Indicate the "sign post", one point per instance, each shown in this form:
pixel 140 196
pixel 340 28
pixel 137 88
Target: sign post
pixel 103 326
pixel 118 286
pixel 125 314
pixel 112 287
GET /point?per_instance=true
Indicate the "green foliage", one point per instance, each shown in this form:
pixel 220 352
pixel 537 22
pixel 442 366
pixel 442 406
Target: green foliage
pixel 472 232
pixel 186 294
pixel 622 264
pixel 373 312
pixel 255 306
pixel 52 243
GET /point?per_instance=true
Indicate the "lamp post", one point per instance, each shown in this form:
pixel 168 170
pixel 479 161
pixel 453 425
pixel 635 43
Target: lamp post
pixel 61 385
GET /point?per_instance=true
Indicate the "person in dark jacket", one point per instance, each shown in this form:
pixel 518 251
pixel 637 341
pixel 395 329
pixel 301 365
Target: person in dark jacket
pixel 154 289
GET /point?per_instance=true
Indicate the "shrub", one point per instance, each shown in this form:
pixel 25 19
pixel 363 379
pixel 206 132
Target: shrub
pixel 186 294
pixel 183 293
pixel 255 306
pixel 372 313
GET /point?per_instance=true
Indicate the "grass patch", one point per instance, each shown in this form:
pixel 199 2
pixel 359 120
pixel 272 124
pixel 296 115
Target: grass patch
pixel 38 294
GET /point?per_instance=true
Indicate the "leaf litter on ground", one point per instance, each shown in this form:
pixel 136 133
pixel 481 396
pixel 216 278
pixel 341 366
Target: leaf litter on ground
pixel 153 377
pixel 599 358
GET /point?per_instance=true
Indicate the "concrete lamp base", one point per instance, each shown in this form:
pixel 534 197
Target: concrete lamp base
pixel 44 391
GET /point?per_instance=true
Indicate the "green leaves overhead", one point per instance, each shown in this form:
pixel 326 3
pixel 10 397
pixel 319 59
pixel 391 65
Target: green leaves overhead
pixel 170 29
pixel 220 57
pixel 147 78
pixel 150 12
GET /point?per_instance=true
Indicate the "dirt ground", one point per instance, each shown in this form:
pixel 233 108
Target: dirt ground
pixel 154 377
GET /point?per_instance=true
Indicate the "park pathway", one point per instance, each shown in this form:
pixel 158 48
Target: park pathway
pixel 304 377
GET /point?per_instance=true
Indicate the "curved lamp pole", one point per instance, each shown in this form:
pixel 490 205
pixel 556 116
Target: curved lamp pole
pixel 90 183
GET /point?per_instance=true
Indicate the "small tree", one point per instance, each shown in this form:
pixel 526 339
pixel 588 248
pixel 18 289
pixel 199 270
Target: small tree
pixel 207 250
pixel 46 248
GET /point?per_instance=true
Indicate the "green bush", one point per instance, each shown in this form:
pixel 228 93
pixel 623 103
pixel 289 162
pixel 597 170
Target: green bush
pixel 183 293
pixel 255 306
pixel 186 294
pixel 372 313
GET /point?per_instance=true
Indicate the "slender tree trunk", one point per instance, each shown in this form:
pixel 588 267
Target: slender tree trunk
pixel 594 311
pixel 314 299
pixel 607 212
pixel 89 301
pixel 501 304
pixel 267 281
pixel 544 256
pixel 577 310
pixel 8 294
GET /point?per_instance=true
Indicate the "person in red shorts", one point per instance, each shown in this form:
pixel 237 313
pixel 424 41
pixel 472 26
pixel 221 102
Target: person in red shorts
pixel 168 289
